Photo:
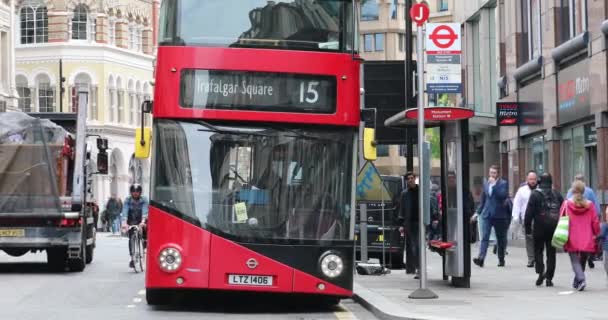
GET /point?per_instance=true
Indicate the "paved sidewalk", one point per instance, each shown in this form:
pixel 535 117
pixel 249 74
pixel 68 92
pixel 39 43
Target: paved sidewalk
pixel 495 294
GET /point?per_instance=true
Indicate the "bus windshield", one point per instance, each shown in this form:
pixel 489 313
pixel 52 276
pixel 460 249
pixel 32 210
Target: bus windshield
pixel 255 183
pixel 321 25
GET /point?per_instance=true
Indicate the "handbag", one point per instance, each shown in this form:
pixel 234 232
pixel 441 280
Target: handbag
pixel 560 236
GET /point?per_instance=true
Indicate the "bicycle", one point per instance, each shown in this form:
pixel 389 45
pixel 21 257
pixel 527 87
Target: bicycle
pixel 137 248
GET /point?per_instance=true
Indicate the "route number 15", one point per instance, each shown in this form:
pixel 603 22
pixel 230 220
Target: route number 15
pixel 310 95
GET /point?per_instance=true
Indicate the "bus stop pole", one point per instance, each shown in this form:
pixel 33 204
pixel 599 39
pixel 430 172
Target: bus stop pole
pixel 423 292
pixel 363 231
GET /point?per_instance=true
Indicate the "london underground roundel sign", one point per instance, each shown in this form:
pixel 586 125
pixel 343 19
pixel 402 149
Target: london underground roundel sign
pixel 420 13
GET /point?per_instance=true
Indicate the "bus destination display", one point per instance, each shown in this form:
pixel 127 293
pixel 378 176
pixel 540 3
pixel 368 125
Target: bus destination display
pixel 258 91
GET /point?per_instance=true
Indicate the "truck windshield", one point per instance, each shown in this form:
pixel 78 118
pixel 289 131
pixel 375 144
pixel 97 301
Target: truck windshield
pixel 321 25
pixel 256 183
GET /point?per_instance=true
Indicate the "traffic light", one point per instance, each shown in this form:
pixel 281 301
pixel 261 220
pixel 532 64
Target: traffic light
pixel 102 156
pixel 102 162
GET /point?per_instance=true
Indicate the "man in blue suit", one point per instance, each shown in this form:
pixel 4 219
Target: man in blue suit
pixel 494 212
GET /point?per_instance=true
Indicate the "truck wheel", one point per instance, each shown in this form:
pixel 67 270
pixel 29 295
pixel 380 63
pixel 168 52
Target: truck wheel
pixel 78 264
pixel 90 249
pixel 56 259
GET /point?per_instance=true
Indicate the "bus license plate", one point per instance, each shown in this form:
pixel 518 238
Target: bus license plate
pixel 249 280
pixel 12 233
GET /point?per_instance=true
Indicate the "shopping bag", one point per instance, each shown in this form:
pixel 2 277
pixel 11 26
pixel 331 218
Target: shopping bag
pixel 560 236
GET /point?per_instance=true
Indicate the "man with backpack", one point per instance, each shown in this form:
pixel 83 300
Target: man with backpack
pixel 542 216
pixel 113 210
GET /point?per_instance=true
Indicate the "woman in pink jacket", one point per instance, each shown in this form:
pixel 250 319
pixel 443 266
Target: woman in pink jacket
pixel 584 226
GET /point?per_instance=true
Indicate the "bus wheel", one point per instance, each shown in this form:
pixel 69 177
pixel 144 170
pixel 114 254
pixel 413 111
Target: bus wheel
pixel 156 297
pixel 397 261
pixel 56 258
pixel 330 302
pixel 16 252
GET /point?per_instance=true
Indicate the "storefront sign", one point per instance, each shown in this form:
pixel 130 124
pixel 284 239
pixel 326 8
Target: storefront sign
pixel 531 108
pixel 590 134
pixel 573 93
pixel 507 113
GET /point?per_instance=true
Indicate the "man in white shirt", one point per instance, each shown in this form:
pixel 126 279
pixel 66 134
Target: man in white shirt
pixel 520 203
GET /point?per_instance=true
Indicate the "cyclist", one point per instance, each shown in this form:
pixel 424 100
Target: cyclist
pixel 135 213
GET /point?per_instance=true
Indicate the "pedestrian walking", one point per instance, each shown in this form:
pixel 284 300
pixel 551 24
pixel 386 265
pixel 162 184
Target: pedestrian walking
pixel 113 210
pixel 520 204
pixel 604 240
pixel 541 218
pixel 494 212
pixel 589 195
pixel 409 218
pixel 583 228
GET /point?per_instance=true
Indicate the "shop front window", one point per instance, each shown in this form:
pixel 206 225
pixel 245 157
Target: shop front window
pixel 539 152
pixel 573 156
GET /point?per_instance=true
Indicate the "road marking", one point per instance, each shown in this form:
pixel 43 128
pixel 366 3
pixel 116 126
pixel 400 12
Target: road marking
pixel 141 292
pixel 137 300
pixel 565 293
pixel 344 314
pixel 130 306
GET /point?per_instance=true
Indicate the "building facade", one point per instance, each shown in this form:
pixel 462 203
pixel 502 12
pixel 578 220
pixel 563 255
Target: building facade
pixel 382 38
pixel 8 90
pixel 555 67
pixel 481 72
pixel 102 48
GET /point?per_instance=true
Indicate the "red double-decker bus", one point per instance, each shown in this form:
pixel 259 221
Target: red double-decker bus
pixel 254 148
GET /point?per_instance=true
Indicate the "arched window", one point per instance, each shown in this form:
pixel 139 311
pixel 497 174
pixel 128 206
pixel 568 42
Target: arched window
pixel 131 36
pixel 111 100
pixel 25 94
pixel 120 100
pixel 46 94
pixel 131 92
pixel 34 24
pixel 147 96
pixel 138 100
pixel 112 32
pixel 80 22
pixel 82 83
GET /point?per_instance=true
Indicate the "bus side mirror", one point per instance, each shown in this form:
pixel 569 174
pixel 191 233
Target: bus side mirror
pixel 143 139
pixel 369 144
pixel 102 162
pixel 146 106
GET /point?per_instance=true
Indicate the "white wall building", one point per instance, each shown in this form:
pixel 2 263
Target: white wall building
pixel 8 91
pixel 107 49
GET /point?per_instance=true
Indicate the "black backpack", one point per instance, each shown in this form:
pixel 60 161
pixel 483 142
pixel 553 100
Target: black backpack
pixel 551 206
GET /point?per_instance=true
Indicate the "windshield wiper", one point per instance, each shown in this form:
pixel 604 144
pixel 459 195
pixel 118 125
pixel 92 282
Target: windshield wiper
pixel 297 133
pixel 213 128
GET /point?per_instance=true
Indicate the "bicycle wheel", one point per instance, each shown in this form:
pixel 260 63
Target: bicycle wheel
pixel 142 253
pixel 133 244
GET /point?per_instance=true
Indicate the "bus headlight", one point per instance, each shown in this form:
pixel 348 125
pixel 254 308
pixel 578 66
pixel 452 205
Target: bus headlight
pixel 170 259
pixel 331 265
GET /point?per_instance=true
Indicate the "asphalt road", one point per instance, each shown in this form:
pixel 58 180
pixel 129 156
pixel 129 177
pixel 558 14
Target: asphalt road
pixel 108 289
